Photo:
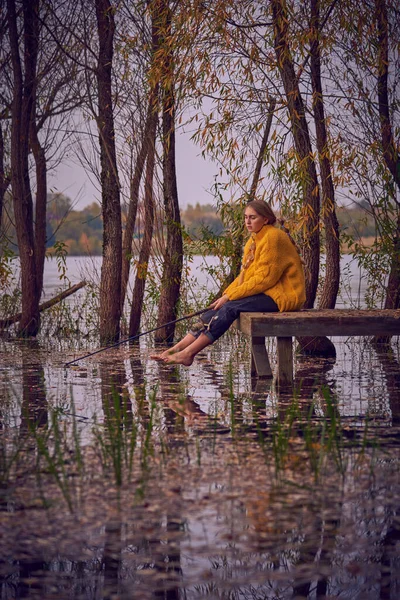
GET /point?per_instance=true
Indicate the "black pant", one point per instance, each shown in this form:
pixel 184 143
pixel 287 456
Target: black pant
pixel 216 322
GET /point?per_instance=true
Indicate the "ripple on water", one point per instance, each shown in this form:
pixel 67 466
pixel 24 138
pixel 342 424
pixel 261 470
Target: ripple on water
pixel 125 478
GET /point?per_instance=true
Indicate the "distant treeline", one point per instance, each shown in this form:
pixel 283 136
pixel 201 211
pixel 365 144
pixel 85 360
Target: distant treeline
pixel 82 230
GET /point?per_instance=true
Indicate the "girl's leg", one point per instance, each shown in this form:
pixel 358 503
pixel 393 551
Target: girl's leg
pixel 186 356
pixel 220 322
pixel 229 312
pixel 189 338
pixel 183 343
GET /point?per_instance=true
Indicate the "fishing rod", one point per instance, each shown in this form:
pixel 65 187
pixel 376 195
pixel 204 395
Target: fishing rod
pixel 135 337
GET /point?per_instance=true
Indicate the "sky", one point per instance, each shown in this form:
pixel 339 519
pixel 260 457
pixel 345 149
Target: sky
pixel 195 176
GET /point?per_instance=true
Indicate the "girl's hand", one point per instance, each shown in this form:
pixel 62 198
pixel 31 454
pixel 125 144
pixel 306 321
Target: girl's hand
pixel 219 302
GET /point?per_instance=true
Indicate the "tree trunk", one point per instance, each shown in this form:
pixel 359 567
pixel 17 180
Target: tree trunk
pixel 21 114
pixel 145 250
pixel 148 150
pixel 173 257
pixel 134 193
pixel 322 345
pixel 41 203
pixel 390 152
pixel 110 284
pixel 392 299
pixel 330 287
pixel 4 183
pixel 311 199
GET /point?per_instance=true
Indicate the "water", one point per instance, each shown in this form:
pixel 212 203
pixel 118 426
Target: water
pixel 352 294
pixel 123 478
pixel 218 503
pixel 79 268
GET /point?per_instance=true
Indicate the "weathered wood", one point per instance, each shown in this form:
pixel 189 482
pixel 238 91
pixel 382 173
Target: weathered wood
pixel 333 322
pixel 285 360
pixel 4 323
pixel 259 358
pixel 312 322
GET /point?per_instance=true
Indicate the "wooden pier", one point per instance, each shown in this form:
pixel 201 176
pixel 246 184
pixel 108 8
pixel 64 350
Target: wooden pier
pixel 309 323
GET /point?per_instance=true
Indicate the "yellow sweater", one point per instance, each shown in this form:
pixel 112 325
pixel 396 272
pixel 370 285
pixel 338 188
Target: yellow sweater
pixel 275 271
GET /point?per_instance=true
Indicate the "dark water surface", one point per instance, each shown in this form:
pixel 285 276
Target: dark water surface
pixel 122 478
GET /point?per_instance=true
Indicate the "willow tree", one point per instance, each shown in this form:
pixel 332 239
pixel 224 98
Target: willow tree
pixel 365 74
pixel 330 288
pixel 302 140
pixel 139 118
pixel 388 144
pixel 110 284
pixel 173 255
pixel 22 111
pixel 250 59
pixel 146 155
pixel 38 96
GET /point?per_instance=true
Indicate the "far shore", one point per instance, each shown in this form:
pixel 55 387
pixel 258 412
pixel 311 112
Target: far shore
pixel 366 242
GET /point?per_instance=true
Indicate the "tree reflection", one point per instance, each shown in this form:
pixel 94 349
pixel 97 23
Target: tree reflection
pixel 391 368
pixel 228 525
pixel 389 560
pixel 19 577
pixel 162 546
pixel 34 407
pixel 114 394
pixel 111 563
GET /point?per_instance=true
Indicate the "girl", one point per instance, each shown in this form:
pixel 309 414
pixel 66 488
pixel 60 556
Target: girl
pixel 271 280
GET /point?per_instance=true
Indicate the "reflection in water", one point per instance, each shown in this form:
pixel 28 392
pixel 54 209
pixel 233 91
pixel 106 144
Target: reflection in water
pixel 112 559
pixel 240 495
pixel 391 368
pixel 315 556
pixel 34 409
pixel 117 408
pixel 19 578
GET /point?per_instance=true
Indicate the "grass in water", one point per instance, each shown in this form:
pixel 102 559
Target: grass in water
pixel 316 443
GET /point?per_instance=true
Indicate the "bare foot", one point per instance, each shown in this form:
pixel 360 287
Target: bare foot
pixel 180 358
pixel 163 355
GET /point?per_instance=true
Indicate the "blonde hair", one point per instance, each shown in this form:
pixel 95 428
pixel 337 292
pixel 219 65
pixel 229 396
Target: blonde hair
pixel 264 210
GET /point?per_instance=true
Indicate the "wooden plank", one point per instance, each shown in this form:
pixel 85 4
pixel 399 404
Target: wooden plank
pixel 313 322
pixel 335 322
pixel 285 360
pixel 260 364
pixel 245 322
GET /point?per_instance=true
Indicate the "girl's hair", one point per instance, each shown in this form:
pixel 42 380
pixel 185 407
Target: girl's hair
pixel 263 208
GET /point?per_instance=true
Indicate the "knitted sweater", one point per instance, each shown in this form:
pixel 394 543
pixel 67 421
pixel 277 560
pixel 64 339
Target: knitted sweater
pixel 275 271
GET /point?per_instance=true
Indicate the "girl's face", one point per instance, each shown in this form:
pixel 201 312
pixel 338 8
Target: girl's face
pixel 253 221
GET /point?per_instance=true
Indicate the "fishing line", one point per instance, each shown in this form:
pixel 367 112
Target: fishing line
pixel 135 337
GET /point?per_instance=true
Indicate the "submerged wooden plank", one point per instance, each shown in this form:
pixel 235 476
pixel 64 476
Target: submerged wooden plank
pixel 259 358
pixel 285 360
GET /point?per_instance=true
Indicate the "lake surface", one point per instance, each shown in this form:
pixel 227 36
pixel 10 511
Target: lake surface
pixel 352 293
pixel 122 478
